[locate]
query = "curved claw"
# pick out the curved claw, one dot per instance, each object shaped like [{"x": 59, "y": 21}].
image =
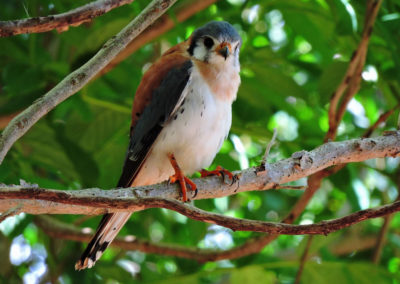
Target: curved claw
[{"x": 195, "y": 193}]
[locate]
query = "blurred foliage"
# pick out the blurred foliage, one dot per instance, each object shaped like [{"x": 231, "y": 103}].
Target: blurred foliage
[{"x": 293, "y": 56}]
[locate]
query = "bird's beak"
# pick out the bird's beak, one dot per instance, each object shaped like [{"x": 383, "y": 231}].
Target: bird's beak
[{"x": 224, "y": 50}]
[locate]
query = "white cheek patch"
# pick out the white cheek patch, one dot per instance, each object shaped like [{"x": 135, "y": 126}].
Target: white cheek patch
[{"x": 200, "y": 52}]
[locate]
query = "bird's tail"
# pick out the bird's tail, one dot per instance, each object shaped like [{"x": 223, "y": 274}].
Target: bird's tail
[{"x": 108, "y": 229}]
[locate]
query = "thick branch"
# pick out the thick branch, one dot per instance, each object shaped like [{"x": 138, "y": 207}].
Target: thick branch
[
  {"x": 96, "y": 201},
  {"x": 77, "y": 79},
  {"x": 61, "y": 22}
]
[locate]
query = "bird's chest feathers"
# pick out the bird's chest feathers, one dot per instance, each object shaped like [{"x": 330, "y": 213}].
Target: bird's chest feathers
[
  {"x": 223, "y": 80},
  {"x": 198, "y": 127}
]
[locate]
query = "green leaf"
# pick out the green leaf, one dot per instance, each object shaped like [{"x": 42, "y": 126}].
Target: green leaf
[
  {"x": 330, "y": 79},
  {"x": 361, "y": 273}
]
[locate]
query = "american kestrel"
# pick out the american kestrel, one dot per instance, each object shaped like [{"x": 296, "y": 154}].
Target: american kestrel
[{"x": 182, "y": 113}]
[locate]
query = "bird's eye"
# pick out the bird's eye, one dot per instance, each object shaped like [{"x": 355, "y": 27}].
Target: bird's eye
[{"x": 208, "y": 42}]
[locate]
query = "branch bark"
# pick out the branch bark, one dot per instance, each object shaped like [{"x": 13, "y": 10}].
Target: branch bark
[
  {"x": 60, "y": 22},
  {"x": 80, "y": 77},
  {"x": 236, "y": 224},
  {"x": 95, "y": 201}
]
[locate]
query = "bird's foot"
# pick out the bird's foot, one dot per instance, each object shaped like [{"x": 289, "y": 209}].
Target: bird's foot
[
  {"x": 219, "y": 171},
  {"x": 180, "y": 177}
]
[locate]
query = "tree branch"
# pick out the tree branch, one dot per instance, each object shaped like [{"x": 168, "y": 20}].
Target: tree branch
[
  {"x": 236, "y": 224},
  {"x": 96, "y": 201},
  {"x": 61, "y": 22},
  {"x": 303, "y": 260},
  {"x": 77, "y": 79},
  {"x": 352, "y": 78}
]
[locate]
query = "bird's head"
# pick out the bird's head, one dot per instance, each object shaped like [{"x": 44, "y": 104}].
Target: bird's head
[{"x": 216, "y": 43}]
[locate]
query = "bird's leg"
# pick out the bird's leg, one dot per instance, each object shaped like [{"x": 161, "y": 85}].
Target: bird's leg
[
  {"x": 179, "y": 176},
  {"x": 219, "y": 171}
]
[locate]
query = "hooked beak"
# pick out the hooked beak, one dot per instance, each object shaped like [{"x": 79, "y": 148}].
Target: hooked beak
[{"x": 224, "y": 50}]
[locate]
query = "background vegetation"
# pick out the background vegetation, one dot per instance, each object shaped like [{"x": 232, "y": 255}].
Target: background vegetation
[{"x": 294, "y": 55}]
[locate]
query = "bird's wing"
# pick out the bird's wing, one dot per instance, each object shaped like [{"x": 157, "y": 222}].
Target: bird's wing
[
  {"x": 163, "y": 100},
  {"x": 157, "y": 97}
]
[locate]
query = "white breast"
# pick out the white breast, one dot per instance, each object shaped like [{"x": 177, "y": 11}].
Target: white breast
[{"x": 194, "y": 135}]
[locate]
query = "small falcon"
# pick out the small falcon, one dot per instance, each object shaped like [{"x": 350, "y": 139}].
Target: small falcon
[{"x": 181, "y": 114}]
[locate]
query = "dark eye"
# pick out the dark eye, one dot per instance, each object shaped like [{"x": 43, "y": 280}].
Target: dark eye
[{"x": 208, "y": 42}]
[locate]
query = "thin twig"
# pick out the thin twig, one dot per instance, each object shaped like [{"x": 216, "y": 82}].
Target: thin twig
[
  {"x": 79, "y": 78},
  {"x": 61, "y": 22},
  {"x": 267, "y": 150},
  {"x": 382, "y": 118},
  {"x": 303, "y": 260},
  {"x": 376, "y": 257},
  {"x": 380, "y": 241}
]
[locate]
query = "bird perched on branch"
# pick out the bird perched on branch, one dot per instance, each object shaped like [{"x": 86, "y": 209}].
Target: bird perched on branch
[{"x": 181, "y": 115}]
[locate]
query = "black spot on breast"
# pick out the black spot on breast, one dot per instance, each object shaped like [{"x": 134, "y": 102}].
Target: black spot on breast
[
  {"x": 138, "y": 114},
  {"x": 175, "y": 116},
  {"x": 182, "y": 110},
  {"x": 201, "y": 114}
]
